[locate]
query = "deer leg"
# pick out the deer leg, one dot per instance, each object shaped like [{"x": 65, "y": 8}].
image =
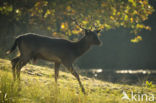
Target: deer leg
[
  {"x": 57, "y": 65},
  {"x": 14, "y": 63},
  {"x": 18, "y": 69},
  {"x": 20, "y": 64},
  {"x": 74, "y": 73}
]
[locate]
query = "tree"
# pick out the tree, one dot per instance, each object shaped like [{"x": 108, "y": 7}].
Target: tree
[{"x": 54, "y": 16}]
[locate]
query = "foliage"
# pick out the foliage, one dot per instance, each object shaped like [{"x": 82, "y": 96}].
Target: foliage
[
  {"x": 149, "y": 84},
  {"x": 54, "y": 16}
]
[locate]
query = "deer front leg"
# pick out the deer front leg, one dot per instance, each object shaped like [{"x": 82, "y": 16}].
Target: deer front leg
[
  {"x": 57, "y": 65},
  {"x": 74, "y": 73}
]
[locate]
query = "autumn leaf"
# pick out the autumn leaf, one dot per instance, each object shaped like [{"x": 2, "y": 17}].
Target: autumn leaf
[{"x": 136, "y": 39}]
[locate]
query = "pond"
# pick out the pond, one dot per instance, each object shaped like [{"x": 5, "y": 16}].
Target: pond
[{"x": 124, "y": 76}]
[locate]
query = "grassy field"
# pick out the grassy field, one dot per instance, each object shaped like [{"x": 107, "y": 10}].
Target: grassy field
[{"x": 37, "y": 86}]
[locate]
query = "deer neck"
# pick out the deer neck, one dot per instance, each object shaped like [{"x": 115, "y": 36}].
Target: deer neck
[{"x": 82, "y": 46}]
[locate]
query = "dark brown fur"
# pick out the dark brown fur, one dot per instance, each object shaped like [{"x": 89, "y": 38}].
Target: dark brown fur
[{"x": 59, "y": 51}]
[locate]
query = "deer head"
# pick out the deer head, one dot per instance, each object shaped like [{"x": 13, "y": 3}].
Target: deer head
[{"x": 90, "y": 35}]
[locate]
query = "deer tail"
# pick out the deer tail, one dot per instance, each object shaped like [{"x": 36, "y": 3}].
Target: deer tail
[{"x": 13, "y": 47}]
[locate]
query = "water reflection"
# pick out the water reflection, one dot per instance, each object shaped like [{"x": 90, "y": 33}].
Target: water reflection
[
  {"x": 122, "y": 76},
  {"x": 135, "y": 71}
]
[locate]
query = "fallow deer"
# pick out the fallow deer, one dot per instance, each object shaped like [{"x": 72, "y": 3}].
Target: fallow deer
[{"x": 59, "y": 51}]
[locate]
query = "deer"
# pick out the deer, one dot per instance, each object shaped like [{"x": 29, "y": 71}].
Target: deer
[{"x": 60, "y": 51}]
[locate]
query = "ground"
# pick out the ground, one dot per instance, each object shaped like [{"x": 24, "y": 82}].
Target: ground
[{"x": 37, "y": 86}]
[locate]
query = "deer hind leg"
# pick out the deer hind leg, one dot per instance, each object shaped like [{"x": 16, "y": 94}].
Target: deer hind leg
[
  {"x": 14, "y": 63},
  {"x": 57, "y": 65},
  {"x": 76, "y": 75},
  {"x": 22, "y": 62}
]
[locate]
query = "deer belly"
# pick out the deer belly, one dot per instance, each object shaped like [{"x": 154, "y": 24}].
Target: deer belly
[{"x": 50, "y": 57}]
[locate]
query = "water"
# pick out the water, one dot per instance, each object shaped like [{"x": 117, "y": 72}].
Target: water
[{"x": 137, "y": 77}]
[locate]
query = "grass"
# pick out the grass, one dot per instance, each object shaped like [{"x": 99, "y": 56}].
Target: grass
[{"x": 37, "y": 86}]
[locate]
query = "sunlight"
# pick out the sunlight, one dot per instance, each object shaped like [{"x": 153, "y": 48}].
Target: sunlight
[{"x": 135, "y": 71}]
